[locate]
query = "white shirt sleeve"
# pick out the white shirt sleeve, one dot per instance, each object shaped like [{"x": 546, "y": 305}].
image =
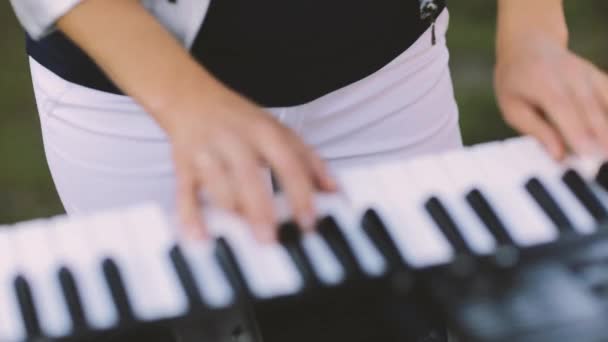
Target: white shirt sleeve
[{"x": 38, "y": 17}]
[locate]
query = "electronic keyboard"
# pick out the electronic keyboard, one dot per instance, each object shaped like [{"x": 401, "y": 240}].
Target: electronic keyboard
[{"x": 482, "y": 234}]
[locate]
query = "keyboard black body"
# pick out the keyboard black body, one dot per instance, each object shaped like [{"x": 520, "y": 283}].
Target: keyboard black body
[
  {"x": 553, "y": 292},
  {"x": 366, "y": 310}
]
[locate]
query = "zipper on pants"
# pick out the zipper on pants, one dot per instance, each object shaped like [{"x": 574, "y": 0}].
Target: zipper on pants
[{"x": 429, "y": 11}]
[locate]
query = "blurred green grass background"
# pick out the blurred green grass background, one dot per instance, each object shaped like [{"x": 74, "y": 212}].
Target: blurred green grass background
[{"x": 26, "y": 189}]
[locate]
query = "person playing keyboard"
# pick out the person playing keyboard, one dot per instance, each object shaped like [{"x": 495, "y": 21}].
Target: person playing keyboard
[{"x": 143, "y": 100}]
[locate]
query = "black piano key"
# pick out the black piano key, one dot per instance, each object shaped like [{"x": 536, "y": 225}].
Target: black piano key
[
  {"x": 446, "y": 224},
  {"x": 329, "y": 230},
  {"x": 230, "y": 266},
  {"x": 550, "y": 207},
  {"x": 585, "y": 195},
  {"x": 602, "y": 176},
  {"x": 506, "y": 254},
  {"x": 116, "y": 285},
  {"x": 72, "y": 298},
  {"x": 488, "y": 216},
  {"x": 291, "y": 239},
  {"x": 184, "y": 273},
  {"x": 27, "y": 307},
  {"x": 380, "y": 237}
]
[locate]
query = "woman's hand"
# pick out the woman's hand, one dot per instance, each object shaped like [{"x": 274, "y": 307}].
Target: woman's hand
[
  {"x": 221, "y": 146},
  {"x": 220, "y": 140},
  {"x": 544, "y": 89}
]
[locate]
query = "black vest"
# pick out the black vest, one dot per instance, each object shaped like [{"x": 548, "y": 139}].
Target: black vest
[{"x": 278, "y": 53}]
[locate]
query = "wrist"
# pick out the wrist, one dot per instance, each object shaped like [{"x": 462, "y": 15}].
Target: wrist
[
  {"x": 523, "y": 22},
  {"x": 194, "y": 93}
]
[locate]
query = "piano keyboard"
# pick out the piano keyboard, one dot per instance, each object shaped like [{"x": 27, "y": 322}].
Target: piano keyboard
[{"x": 63, "y": 276}]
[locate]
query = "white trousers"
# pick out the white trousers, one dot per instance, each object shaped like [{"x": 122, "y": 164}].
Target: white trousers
[{"x": 105, "y": 151}]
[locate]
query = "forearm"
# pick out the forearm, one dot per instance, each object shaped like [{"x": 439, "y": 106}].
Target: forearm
[
  {"x": 519, "y": 19},
  {"x": 140, "y": 56}
]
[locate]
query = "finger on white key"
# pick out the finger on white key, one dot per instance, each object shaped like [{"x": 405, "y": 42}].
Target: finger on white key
[
  {"x": 11, "y": 325},
  {"x": 349, "y": 222},
  {"x": 148, "y": 230},
  {"x": 429, "y": 175},
  {"x": 267, "y": 268},
  {"x": 83, "y": 259},
  {"x": 39, "y": 266},
  {"x": 526, "y": 226},
  {"x": 420, "y": 241},
  {"x": 530, "y": 153},
  {"x": 208, "y": 275}
]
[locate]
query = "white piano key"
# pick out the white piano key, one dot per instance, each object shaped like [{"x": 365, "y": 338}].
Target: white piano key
[
  {"x": 242, "y": 244},
  {"x": 40, "y": 266},
  {"x": 267, "y": 267},
  {"x": 326, "y": 265},
  {"x": 464, "y": 170},
  {"x": 419, "y": 242},
  {"x": 363, "y": 194},
  {"x": 428, "y": 174},
  {"x": 11, "y": 324},
  {"x": 360, "y": 190},
  {"x": 529, "y": 153},
  {"x": 531, "y": 225},
  {"x": 108, "y": 233},
  {"x": 359, "y": 195},
  {"x": 149, "y": 232},
  {"x": 601, "y": 194},
  {"x": 83, "y": 260},
  {"x": 463, "y": 175},
  {"x": 210, "y": 279},
  {"x": 587, "y": 166},
  {"x": 349, "y": 222}
]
